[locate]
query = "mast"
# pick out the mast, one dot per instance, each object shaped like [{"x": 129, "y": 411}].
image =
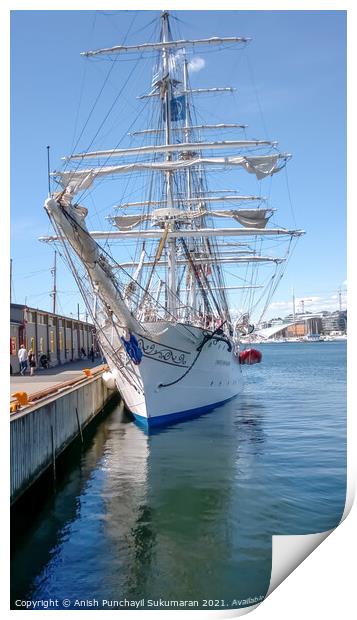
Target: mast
[
  {"x": 187, "y": 122},
  {"x": 54, "y": 287},
  {"x": 10, "y": 280},
  {"x": 192, "y": 293},
  {"x": 171, "y": 252},
  {"x": 48, "y": 171}
]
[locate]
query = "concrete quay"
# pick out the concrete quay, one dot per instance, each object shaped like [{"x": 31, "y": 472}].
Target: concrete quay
[
  {"x": 46, "y": 378},
  {"x": 65, "y": 402}
]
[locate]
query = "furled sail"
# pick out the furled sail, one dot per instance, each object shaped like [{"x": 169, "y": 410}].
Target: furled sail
[
  {"x": 199, "y": 200},
  {"x": 251, "y": 218},
  {"x": 195, "y": 91},
  {"x": 265, "y": 165},
  {"x": 190, "y": 128},
  {"x": 183, "y": 43},
  {"x": 127, "y": 222},
  {"x": 173, "y": 148},
  {"x": 175, "y": 234},
  {"x": 255, "y": 218}
]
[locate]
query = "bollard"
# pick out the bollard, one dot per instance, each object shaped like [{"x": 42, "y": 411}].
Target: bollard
[
  {"x": 14, "y": 407},
  {"x": 21, "y": 397}
]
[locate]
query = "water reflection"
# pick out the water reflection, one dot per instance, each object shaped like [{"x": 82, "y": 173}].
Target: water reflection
[{"x": 159, "y": 515}]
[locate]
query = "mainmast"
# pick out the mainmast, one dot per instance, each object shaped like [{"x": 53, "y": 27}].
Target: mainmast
[
  {"x": 192, "y": 292},
  {"x": 171, "y": 251}
]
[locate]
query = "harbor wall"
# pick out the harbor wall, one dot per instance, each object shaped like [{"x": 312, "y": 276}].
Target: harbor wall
[{"x": 41, "y": 432}]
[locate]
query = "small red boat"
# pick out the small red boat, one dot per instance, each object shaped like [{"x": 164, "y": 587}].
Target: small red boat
[{"x": 250, "y": 356}]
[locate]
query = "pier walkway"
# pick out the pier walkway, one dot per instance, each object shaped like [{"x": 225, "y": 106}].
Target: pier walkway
[{"x": 47, "y": 378}]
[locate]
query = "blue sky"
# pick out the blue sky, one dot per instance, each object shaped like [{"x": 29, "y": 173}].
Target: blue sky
[{"x": 291, "y": 83}]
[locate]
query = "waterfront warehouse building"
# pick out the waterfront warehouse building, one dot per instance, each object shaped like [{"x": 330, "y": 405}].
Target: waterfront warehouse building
[{"x": 58, "y": 337}]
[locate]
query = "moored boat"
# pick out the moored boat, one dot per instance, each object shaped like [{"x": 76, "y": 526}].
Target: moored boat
[{"x": 163, "y": 317}]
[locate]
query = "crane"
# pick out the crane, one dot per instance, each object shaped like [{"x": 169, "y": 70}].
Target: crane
[{"x": 302, "y": 304}]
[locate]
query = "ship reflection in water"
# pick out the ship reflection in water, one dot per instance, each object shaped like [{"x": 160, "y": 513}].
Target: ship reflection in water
[
  {"x": 152, "y": 516},
  {"x": 187, "y": 512}
]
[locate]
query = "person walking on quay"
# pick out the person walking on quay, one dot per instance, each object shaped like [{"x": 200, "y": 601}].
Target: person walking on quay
[
  {"x": 32, "y": 362},
  {"x": 22, "y": 355},
  {"x": 91, "y": 354}
]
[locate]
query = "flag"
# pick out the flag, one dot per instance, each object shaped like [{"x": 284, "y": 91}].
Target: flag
[{"x": 178, "y": 108}]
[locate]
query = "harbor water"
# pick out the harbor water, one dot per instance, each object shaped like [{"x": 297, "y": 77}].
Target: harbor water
[{"x": 188, "y": 513}]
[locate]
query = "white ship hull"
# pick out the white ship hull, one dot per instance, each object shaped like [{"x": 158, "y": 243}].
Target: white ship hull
[{"x": 184, "y": 371}]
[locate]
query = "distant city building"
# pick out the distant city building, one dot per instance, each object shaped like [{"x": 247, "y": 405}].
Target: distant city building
[
  {"x": 277, "y": 321},
  {"x": 296, "y": 331},
  {"x": 58, "y": 337},
  {"x": 335, "y": 322},
  {"x": 305, "y": 324},
  {"x": 289, "y": 318},
  {"x": 263, "y": 325}
]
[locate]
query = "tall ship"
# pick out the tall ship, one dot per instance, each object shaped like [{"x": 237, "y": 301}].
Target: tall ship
[{"x": 157, "y": 280}]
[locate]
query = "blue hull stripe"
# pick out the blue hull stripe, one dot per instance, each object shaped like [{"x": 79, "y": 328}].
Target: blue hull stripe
[{"x": 177, "y": 416}]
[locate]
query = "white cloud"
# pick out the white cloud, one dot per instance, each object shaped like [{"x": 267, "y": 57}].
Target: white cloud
[
  {"x": 196, "y": 64},
  {"x": 311, "y": 304},
  {"x": 280, "y": 304}
]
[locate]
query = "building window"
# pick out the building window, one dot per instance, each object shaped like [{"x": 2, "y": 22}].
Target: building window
[
  {"x": 13, "y": 345},
  {"x": 31, "y": 317},
  {"x": 41, "y": 344},
  {"x": 60, "y": 341},
  {"x": 33, "y": 347},
  {"x": 52, "y": 341}
]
